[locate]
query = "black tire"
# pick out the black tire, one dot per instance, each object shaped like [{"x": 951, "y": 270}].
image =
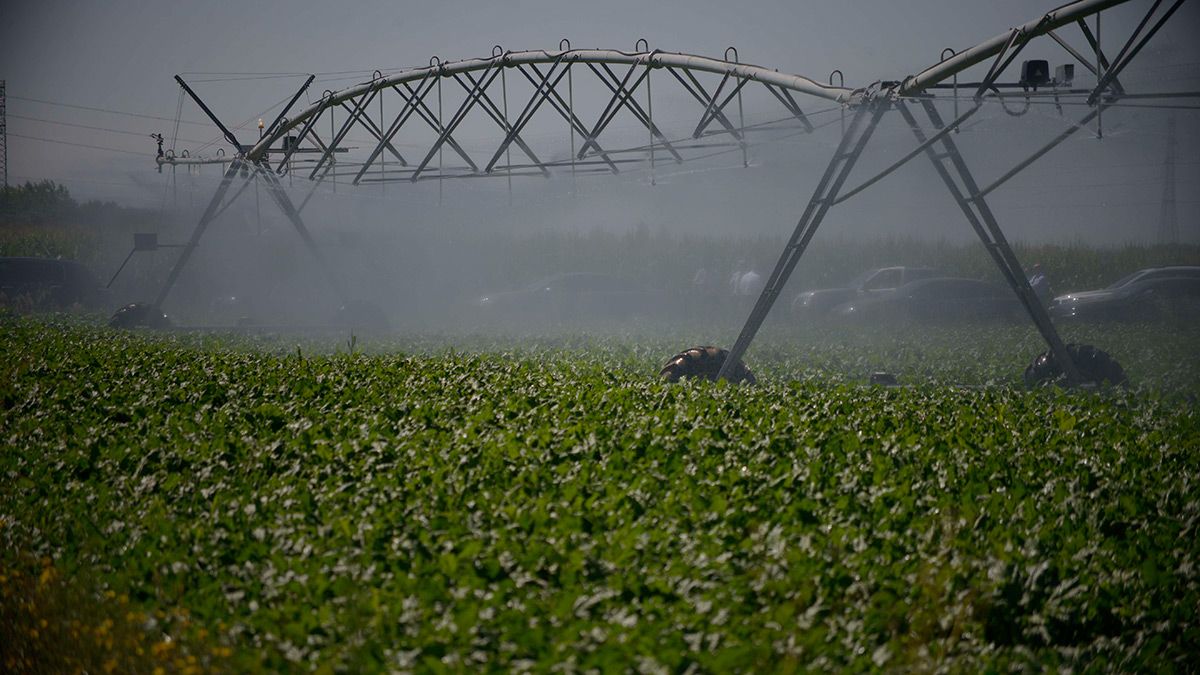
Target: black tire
[
  {"x": 704, "y": 362},
  {"x": 139, "y": 314},
  {"x": 1096, "y": 366}
]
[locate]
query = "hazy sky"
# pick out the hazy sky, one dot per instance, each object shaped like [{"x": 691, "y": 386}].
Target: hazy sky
[{"x": 122, "y": 54}]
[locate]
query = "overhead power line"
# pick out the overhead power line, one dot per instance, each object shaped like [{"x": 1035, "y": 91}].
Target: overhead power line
[
  {"x": 81, "y": 145},
  {"x": 107, "y": 110},
  {"x": 88, "y": 126}
]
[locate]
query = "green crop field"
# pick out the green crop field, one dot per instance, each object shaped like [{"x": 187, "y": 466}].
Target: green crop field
[{"x": 436, "y": 504}]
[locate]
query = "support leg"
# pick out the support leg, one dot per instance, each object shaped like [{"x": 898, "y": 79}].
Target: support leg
[
  {"x": 851, "y": 146},
  {"x": 975, "y": 207},
  {"x": 210, "y": 213},
  {"x": 275, "y": 189}
]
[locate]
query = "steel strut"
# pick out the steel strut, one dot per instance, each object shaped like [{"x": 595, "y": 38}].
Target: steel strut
[
  {"x": 485, "y": 79},
  {"x": 211, "y": 115},
  {"x": 862, "y": 125},
  {"x": 214, "y": 207},
  {"x": 432, "y": 119},
  {"x": 613, "y": 106},
  {"x": 630, "y": 103},
  {"x": 711, "y": 114},
  {"x": 374, "y": 129},
  {"x": 566, "y": 109},
  {"x": 975, "y": 207},
  {"x": 703, "y": 98},
  {"x": 275, "y": 189},
  {"x": 410, "y": 106},
  {"x": 305, "y": 132},
  {"x": 360, "y": 108},
  {"x": 541, "y": 95},
  {"x": 501, "y": 119}
]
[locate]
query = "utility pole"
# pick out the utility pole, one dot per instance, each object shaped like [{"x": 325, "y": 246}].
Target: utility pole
[
  {"x": 3, "y": 139},
  {"x": 1168, "y": 224}
]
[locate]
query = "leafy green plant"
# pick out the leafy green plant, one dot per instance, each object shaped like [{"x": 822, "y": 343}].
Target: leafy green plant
[{"x": 405, "y": 506}]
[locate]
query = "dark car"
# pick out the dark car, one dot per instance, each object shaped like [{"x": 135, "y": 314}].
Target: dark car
[
  {"x": 871, "y": 282},
  {"x": 575, "y": 296},
  {"x": 1152, "y": 294},
  {"x": 936, "y": 299},
  {"x": 50, "y": 283}
]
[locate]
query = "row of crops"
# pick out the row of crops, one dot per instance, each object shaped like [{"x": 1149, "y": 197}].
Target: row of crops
[{"x": 272, "y": 503}]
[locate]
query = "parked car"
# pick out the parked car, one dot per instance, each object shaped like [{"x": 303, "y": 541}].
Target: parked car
[
  {"x": 50, "y": 284},
  {"x": 573, "y": 296},
  {"x": 822, "y": 301},
  {"x": 1151, "y": 294},
  {"x": 936, "y": 299}
]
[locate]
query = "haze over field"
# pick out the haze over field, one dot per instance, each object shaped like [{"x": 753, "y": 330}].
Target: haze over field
[
  {"x": 87, "y": 85},
  {"x": 122, "y": 55},
  {"x": 469, "y": 417}
]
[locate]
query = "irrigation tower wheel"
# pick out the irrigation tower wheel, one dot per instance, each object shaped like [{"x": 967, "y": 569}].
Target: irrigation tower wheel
[
  {"x": 139, "y": 314},
  {"x": 1095, "y": 365},
  {"x": 704, "y": 362}
]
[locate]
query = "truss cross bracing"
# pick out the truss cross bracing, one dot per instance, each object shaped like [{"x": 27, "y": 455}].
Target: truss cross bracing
[{"x": 628, "y": 84}]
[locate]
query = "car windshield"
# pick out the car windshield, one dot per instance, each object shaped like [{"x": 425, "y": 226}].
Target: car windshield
[
  {"x": 1127, "y": 279},
  {"x": 860, "y": 280},
  {"x": 885, "y": 279}
]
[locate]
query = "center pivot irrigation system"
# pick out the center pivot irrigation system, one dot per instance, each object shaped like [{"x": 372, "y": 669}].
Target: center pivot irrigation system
[{"x": 308, "y": 143}]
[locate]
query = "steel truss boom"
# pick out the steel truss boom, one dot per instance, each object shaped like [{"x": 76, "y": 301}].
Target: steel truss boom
[
  {"x": 548, "y": 72},
  {"x": 652, "y": 59}
]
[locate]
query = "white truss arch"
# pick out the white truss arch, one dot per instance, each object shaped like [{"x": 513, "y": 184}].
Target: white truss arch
[{"x": 653, "y": 59}]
